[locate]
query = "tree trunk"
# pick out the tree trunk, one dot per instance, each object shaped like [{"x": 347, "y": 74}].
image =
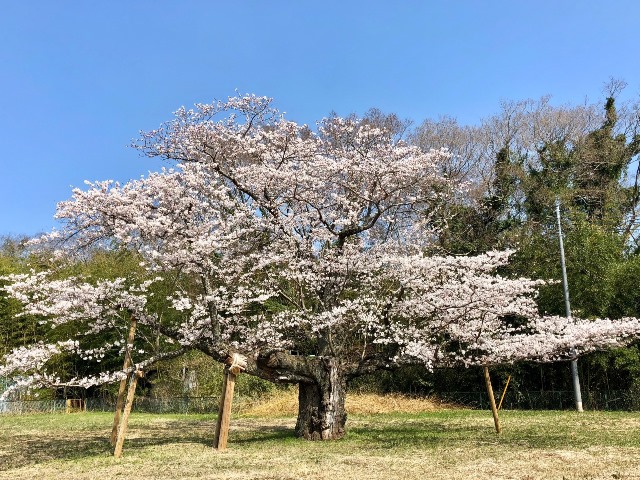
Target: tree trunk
[{"x": 321, "y": 412}]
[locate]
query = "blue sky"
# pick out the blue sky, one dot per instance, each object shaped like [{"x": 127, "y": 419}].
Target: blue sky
[{"x": 80, "y": 79}]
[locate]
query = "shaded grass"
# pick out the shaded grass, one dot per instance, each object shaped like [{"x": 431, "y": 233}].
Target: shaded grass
[{"x": 452, "y": 444}]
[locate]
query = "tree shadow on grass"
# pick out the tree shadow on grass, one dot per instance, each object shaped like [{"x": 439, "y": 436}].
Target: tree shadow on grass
[
  {"x": 262, "y": 433},
  {"x": 411, "y": 435},
  {"x": 23, "y": 450},
  {"x": 419, "y": 435},
  {"x": 20, "y": 450}
]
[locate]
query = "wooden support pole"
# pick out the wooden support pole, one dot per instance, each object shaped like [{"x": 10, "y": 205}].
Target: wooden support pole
[
  {"x": 122, "y": 431},
  {"x": 504, "y": 392},
  {"x": 492, "y": 400},
  {"x": 123, "y": 382},
  {"x": 236, "y": 364},
  {"x": 216, "y": 438},
  {"x": 224, "y": 415}
]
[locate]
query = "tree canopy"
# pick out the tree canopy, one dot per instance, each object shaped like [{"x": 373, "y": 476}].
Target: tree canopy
[{"x": 308, "y": 251}]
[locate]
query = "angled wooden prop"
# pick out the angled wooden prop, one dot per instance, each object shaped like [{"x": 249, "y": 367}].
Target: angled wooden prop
[
  {"x": 504, "y": 392},
  {"x": 122, "y": 431},
  {"x": 492, "y": 400},
  {"x": 123, "y": 383}
]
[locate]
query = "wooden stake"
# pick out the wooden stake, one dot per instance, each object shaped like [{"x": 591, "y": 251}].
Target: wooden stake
[
  {"x": 492, "y": 400},
  {"x": 122, "y": 431},
  {"x": 123, "y": 383},
  {"x": 224, "y": 414}
]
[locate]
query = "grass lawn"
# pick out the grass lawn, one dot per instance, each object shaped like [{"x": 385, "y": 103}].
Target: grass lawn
[{"x": 444, "y": 444}]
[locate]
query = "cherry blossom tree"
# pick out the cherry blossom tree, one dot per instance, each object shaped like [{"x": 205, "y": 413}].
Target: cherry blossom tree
[{"x": 302, "y": 250}]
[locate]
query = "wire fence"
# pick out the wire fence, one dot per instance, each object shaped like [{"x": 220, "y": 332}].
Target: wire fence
[
  {"x": 547, "y": 400},
  {"x": 32, "y": 406},
  {"x": 183, "y": 405},
  {"x": 532, "y": 400}
]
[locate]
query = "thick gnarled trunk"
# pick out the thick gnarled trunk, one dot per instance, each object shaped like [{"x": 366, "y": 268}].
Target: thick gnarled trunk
[
  {"x": 322, "y": 389},
  {"x": 321, "y": 410}
]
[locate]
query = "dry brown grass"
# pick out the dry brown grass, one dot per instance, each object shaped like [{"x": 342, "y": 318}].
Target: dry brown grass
[
  {"x": 371, "y": 404},
  {"x": 285, "y": 403}
]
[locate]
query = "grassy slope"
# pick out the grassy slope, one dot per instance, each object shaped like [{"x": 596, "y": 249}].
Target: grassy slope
[{"x": 445, "y": 444}]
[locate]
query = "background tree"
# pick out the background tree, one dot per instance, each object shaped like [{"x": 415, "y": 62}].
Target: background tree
[
  {"x": 532, "y": 153},
  {"x": 15, "y": 331}
]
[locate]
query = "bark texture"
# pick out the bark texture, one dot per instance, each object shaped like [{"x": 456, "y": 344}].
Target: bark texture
[{"x": 321, "y": 407}]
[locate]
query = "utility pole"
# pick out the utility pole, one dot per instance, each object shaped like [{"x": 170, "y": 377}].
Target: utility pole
[{"x": 565, "y": 284}]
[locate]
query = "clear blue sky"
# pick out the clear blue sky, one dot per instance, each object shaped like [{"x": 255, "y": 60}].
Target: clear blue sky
[{"x": 79, "y": 79}]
